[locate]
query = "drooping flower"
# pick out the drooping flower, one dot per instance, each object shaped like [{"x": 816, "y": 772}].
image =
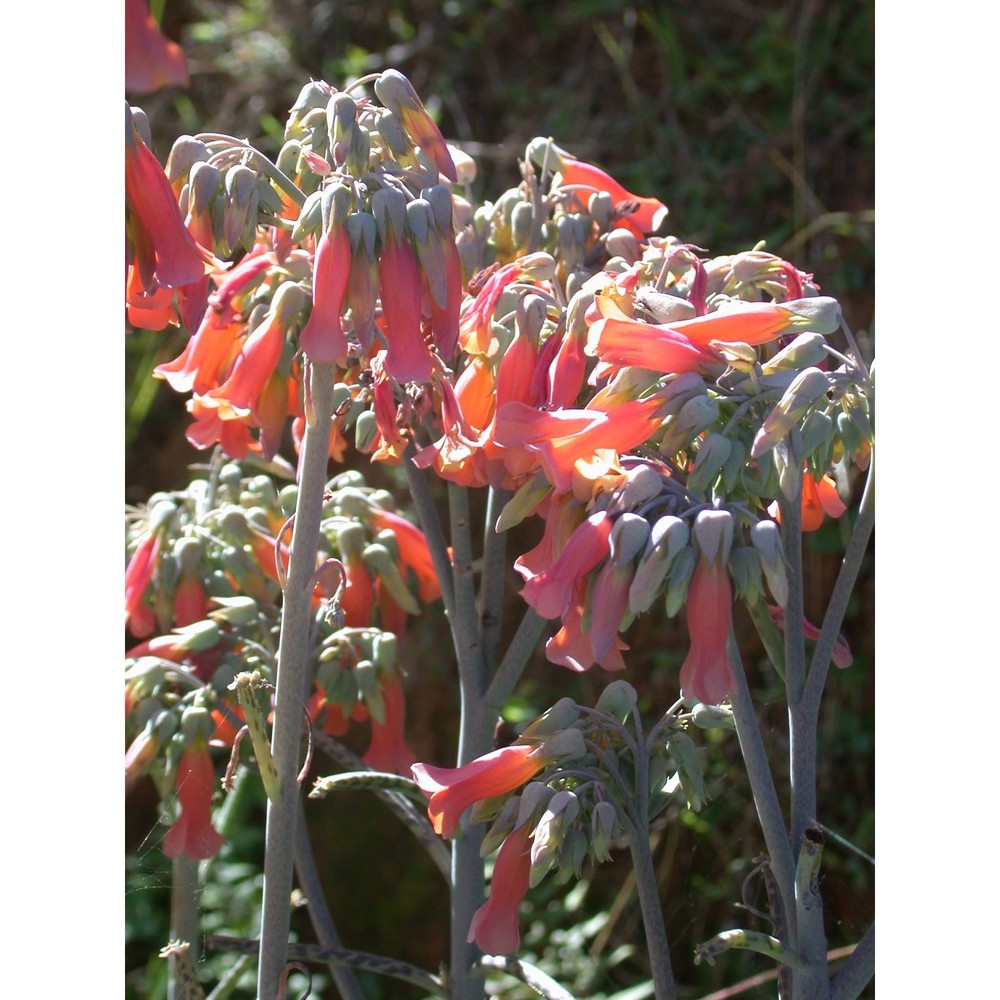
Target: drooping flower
[
  {"x": 841, "y": 657},
  {"x": 388, "y": 750},
  {"x": 139, "y": 618},
  {"x": 414, "y": 552},
  {"x": 706, "y": 672},
  {"x": 494, "y": 926},
  {"x": 452, "y": 790},
  {"x": 192, "y": 834},
  {"x": 167, "y": 253},
  {"x": 152, "y": 60}
]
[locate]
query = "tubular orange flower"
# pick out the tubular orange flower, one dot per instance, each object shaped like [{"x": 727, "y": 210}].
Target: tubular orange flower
[
  {"x": 323, "y": 338},
  {"x": 139, "y": 618},
  {"x": 452, "y": 790},
  {"x": 177, "y": 259},
  {"x": 388, "y": 750},
  {"x": 573, "y": 648},
  {"x": 819, "y": 498},
  {"x": 551, "y": 591},
  {"x": 152, "y": 61},
  {"x": 494, "y": 925},
  {"x": 193, "y": 834},
  {"x": 413, "y": 552},
  {"x": 706, "y": 672},
  {"x": 640, "y": 215},
  {"x": 408, "y": 358}
]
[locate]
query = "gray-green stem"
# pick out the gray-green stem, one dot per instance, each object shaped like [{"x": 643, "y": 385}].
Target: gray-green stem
[
  {"x": 647, "y": 886},
  {"x": 185, "y": 923},
  {"x": 765, "y": 796},
  {"x": 292, "y": 680},
  {"x": 856, "y": 973}
]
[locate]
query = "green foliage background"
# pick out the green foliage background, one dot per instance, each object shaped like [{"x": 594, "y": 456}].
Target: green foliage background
[{"x": 751, "y": 121}]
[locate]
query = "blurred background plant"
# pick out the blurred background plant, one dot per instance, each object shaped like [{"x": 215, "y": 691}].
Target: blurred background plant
[{"x": 752, "y": 121}]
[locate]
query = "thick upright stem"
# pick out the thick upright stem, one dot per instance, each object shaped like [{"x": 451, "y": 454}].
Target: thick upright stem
[
  {"x": 647, "y": 887},
  {"x": 184, "y": 918},
  {"x": 468, "y": 887},
  {"x": 491, "y": 586},
  {"x": 857, "y": 971},
  {"x": 292, "y": 682},
  {"x": 765, "y": 796}
]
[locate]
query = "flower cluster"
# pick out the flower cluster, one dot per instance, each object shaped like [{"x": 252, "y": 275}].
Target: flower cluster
[
  {"x": 203, "y": 594},
  {"x": 562, "y": 794},
  {"x": 651, "y": 404}
]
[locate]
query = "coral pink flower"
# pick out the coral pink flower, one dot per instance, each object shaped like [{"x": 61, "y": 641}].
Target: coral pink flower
[
  {"x": 152, "y": 61},
  {"x": 706, "y": 673},
  {"x": 323, "y": 338},
  {"x": 192, "y": 834},
  {"x": 622, "y": 342},
  {"x": 162, "y": 240},
  {"x": 494, "y": 925},
  {"x": 408, "y": 358},
  {"x": 141, "y": 753},
  {"x": 388, "y": 750},
  {"x": 453, "y": 789},
  {"x": 640, "y": 215},
  {"x": 551, "y": 591},
  {"x": 842, "y": 656},
  {"x": 414, "y": 553},
  {"x": 138, "y": 617},
  {"x": 215, "y": 422},
  {"x": 573, "y": 648}
]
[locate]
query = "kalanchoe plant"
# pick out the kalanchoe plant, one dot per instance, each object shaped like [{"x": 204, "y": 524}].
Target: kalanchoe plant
[{"x": 674, "y": 421}]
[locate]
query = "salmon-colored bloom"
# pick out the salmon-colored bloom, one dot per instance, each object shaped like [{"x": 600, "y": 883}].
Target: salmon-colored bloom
[
  {"x": 551, "y": 592},
  {"x": 388, "y": 750},
  {"x": 452, "y": 790},
  {"x": 640, "y": 215},
  {"x": 414, "y": 552},
  {"x": 141, "y": 753},
  {"x": 190, "y": 600},
  {"x": 842, "y": 656},
  {"x": 192, "y": 834},
  {"x": 322, "y": 338},
  {"x": 169, "y": 251},
  {"x": 408, "y": 358},
  {"x": 706, "y": 673},
  {"x": 216, "y": 422},
  {"x": 494, "y": 925},
  {"x": 573, "y": 648},
  {"x": 139, "y": 618},
  {"x": 152, "y": 60}
]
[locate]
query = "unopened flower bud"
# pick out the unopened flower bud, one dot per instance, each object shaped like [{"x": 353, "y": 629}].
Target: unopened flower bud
[
  {"x": 566, "y": 744},
  {"x": 563, "y": 714},
  {"x": 696, "y": 415},
  {"x": 628, "y": 538},
  {"x": 535, "y": 796},
  {"x": 196, "y": 721},
  {"x": 713, "y": 717},
  {"x": 547, "y": 837},
  {"x": 238, "y": 610},
  {"x": 240, "y": 212},
  {"x": 713, "y": 454},
  {"x": 622, "y": 243},
  {"x": 603, "y": 819},
  {"x": 817, "y": 435},
  {"x": 366, "y": 676},
  {"x": 501, "y": 826},
  {"x": 184, "y": 154},
  {"x": 744, "y": 567},
  {"x": 642, "y": 483},
  {"x": 678, "y": 579},
  {"x": 618, "y": 699},
  {"x": 570, "y": 246},
  {"x": 668, "y": 536},
  {"x": 601, "y": 207},
  {"x": 531, "y": 313},
  {"x": 766, "y": 539},
  {"x": 198, "y": 636},
  {"x": 817, "y": 314},
  {"x": 378, "y": 559},
  {"x": 664, "y": 307},
  {"x": 389, "y": 209},
  {"x": 806, "y": 388},
  {"x": 806, "y": 351},
  {"x": 385, "y": 651},
  {"x": 312, "y": 96}
]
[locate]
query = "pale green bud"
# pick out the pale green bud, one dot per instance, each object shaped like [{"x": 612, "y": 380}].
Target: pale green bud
[
  {"x": 601, "y": 207},
  {"x": 678, "y": 579},
  {"x": 712, "y": 456},
  {"x": 566, "y": 744},
  {"x": 806, "y": 388},
  {"x": 603, "y": 819},
  {"x": 817, "y": 432},
  {"x": 563, "y": 714},
  {"x": 379, "y": 560},
  {"x": 197, "y": 722},
  {"x": 310, "y": 217},
  {"x": 521, "y": 221},
  {"x": 389, "y": 209},
  {"x": 628, "y": 538},
  {"x": 240, "y": 212},
  {"x": 618, "y": 699},
  {"x": 806, "y": 351},
  {"x": 734, "y": 465},
  {"x": 642, "y": 483},
  {"x": 663, "y": 307},
  {"x": 547, "y": 836},
  {"x": 818, "y": 314},
  {"x": 501, "y": 826},
  {"x": 184, "y": 154},
  {"x": 696, "y": 415},
  {"x": 385, "y": 651},
  {"x": 530, "y": 314},
  {"x": 766, "y": 539},
  {"x": 668, "y": 537},
  {"x": 535, "y": 797},
  {"x": 713, "y": 717},
  {"x": 366, "y": 675},
  {"x": 238, "y": 610},
  {"x": 744, "y": 566}
]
